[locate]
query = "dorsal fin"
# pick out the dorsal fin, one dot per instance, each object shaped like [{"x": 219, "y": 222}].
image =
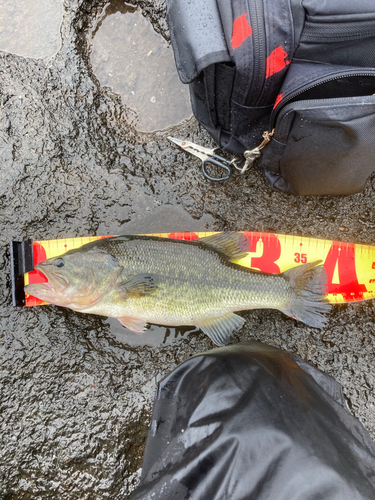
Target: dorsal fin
[{"x": 233, "y": 245}]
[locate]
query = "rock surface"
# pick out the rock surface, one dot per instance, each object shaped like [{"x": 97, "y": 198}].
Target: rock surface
[{"x": 75, "y": 400}]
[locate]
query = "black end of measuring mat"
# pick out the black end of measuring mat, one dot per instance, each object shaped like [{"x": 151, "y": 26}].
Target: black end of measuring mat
[{"x": 21, "y": 262}]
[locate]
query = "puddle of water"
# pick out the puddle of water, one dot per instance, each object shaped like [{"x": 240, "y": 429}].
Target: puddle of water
[
  {"x": 134, "y": 61},
  {"x": 148, "y": 217},
  {"x": 154, "y": 335},
  {"x": 31, "y": 28}
]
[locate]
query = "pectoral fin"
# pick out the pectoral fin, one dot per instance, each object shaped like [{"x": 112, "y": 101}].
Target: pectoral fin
[
  {"x": 138, "y": 286},
  {"x": 133, "y": 324},
  {"x": 221, "y": 328}
]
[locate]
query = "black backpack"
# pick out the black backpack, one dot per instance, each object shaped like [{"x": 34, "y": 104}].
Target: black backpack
[{"x": 290, "y": 83}]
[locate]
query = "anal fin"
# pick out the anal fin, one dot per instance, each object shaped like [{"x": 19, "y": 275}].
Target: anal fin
[{"x": 220, "y": 329}]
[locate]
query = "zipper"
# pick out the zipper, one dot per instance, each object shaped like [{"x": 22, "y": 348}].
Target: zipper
[
  {"x": 303, "y": 89},
  {"x": 253, "y": 154},
  {"x": 256, "y": 14}
]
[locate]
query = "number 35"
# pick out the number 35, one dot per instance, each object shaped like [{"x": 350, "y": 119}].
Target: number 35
[{"x": 300, "y": 257}]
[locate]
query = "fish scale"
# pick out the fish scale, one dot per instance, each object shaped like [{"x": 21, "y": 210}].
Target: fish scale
[
  {"x": 143, "y": 279},
  {"x": 188, "y": 270}
]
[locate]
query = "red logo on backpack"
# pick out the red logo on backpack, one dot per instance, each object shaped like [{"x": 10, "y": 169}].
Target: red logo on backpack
[
  {"x": 241, "y": 30},
  {"x": 276, "y": 61}
]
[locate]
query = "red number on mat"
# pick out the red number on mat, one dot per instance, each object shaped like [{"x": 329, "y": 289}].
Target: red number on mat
[
  {"x": 300, "y": 257},
  {"x": 343, "y": 255},
  {"x": 271, "y": 252}
]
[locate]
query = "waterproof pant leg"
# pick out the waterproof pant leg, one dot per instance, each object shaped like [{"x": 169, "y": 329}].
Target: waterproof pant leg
[{"x": 249, "y": 421}]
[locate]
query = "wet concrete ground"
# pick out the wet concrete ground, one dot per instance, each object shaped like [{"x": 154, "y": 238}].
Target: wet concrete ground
[{"x": 75, "y": 394}]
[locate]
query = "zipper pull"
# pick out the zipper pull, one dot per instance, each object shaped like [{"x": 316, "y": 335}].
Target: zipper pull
[{"x": 253, "y": 154}]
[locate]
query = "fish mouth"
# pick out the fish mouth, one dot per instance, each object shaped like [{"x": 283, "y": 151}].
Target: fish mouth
[
  {"x": 38, "y": 289},
  {"x": 55, "y": 284}
]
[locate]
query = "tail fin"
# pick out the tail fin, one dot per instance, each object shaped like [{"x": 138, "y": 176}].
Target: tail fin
[{"x": 309, "y": 303}]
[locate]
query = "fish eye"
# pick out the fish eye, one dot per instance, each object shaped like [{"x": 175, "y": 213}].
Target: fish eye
[{"x": 59, "y": 263}]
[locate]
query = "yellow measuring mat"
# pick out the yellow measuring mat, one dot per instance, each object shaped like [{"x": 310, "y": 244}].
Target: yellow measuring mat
[{"x": 350, "y": 267}]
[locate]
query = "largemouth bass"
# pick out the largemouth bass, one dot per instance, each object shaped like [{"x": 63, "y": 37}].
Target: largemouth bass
[{"x": 143, "y": 279}]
